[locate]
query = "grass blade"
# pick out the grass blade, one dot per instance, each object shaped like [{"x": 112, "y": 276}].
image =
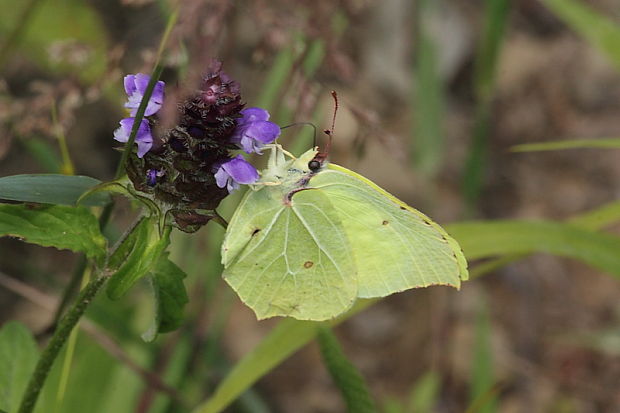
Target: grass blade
[
  {"x": 600, "y": 31},
  {"x": 571, "y": 144},
  {"x": 425, "y": 393},
  {"x": 285, "y": 339},
  {"x": 481, "y": 239},
  {"x": 428, "y": 134},
  {"x": 346, "y": 377},
  {"x": 278, "y": 74},
  {"x": 484, "y": 83},
  {"x": 290, "y": 335},
  {"x": 482, "y": 368}
]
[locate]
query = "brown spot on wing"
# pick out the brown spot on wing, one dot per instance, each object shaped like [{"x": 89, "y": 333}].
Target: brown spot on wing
[
  {"x": 385, "y": 222},
  {"x": 308, "y": 264}
]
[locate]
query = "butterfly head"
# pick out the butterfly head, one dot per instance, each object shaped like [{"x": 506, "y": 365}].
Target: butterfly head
[
  {"x": 306, "y": 163},
  {"x": 284, "y": 168}
]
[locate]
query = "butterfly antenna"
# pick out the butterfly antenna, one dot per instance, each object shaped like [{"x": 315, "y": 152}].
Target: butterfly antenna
[
  {"x": 304, "y": 124},
  {"x": 330, "y": 132}
]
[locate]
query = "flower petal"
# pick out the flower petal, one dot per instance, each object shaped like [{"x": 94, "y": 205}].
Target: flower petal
[
  {"x": 122, "y": 134},
  {"x": 249, "y": 145},
  {"x": 142, "y": 81},
  {"x": 240, "y": 170},
  {"x": 252, "y": 115},
  {"x": 130, "y": 84},
  {"x": 135, "y": 86},
  {"x": 263, "y": 131},
  {"x": 221, "y": 177},
  {"x": 144, "y": 139}
]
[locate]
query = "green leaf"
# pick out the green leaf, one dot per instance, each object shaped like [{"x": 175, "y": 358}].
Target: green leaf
[
  {"x": 482, "y": 375},
  {"x": 18, "y": 356},
  {"x": 280, "y": 70},
  {"x": 62, "y": 227},
  {"x": 136, "y": 256},
  {"x": 51, "y": 189},
  {"x": 345, "y": 375},
  {"x": 170, "y": 297},
  {"x": 481, "y": 239},
  {"x": 285, "y": 338},
  {"x": 485, "y": 73},
  {"x": 571, "y": 144},
  {"x": 602, "y": 32},
  {"x": 592, "y": 220},
  {"x": 43, "y": 152},
  {"x": 290, "y": 335},
  {"x": 428, "y": 108},
  {"x": 425, "y": 393}
]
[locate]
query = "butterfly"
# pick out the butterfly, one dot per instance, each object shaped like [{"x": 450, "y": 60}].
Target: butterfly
[{"x": 311, "y": 237}]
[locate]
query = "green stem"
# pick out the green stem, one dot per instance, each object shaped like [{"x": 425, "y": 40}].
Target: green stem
[
  {"x": 67, "y": 167},
  {"x": 219, "y": 220},
  {"x": 51, "y": 350},
  {"x": 70, "y": 290},
  {"x": 68, "y": 322}
]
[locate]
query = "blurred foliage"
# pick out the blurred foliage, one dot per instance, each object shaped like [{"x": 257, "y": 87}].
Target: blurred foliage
[
  {"x": 299, "y": 52},
  {"x": 64, "y": 36}
]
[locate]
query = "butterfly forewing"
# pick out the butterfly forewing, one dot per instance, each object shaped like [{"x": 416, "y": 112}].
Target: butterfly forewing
[
  {"x": 290, "y": 258},
  {"x": 395, "y": 247}
]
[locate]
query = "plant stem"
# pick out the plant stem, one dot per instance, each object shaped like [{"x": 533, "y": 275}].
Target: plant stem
[
  {"x": 70, "y": 290},
  {"x": 68, "y": 322},
  {"x": 51, "y": 350}
]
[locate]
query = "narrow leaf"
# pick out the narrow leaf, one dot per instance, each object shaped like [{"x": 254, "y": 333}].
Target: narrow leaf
[
  {"x": 170, "y": 297},
  {"x": 428, "y": 108},
  {"x": 571, "y": 144},
  {"x": 62, "y": 227},
  {"x": 592, "y": 220},
  {"x": 285, "y": 339},
  {"x": 486, "y": 239},
  {"x": 280, "y": 70},
  {"x": 51, "y": 189},
  {"x": 482, "y": 375},
  {"x": 425, "y": 393},
  {"x": 290, "y": 335},
  {"x": 598, "y": 29},
  {"x": 345, "y": 375},
  {"x": 43, "y": 152},
  {"x": 18, "y": 356},
  {"x": 485, "y": 72}
]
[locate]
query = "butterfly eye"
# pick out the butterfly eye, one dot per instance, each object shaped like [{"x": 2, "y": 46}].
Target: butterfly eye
[{"x": 314, "y": 165}]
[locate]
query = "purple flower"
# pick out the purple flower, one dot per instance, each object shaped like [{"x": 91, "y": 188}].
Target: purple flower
[
  {"x": 144, "y": 139},
  {"x": 254, "y": 130},
  {"x": 135, "y": 86},
  {"x": 234, "y": 172},
  {"x": 152, "y": 175}
]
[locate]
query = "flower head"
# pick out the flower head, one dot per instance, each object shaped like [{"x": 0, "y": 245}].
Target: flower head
[
  {"x": 135, "y": 86},
  {"x": 234, "y": 172},
  {"x": 254, "y": 130},
  {"x": 144, "y": 139}
]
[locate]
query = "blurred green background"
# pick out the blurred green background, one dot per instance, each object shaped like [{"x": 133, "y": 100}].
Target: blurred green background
[{"x": 433, "y": 96}]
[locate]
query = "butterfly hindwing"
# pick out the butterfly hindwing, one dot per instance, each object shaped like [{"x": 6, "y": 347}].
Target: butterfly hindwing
[
  {"x": 395, "y": 246},
  {"x": 289, "y": 258}
]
